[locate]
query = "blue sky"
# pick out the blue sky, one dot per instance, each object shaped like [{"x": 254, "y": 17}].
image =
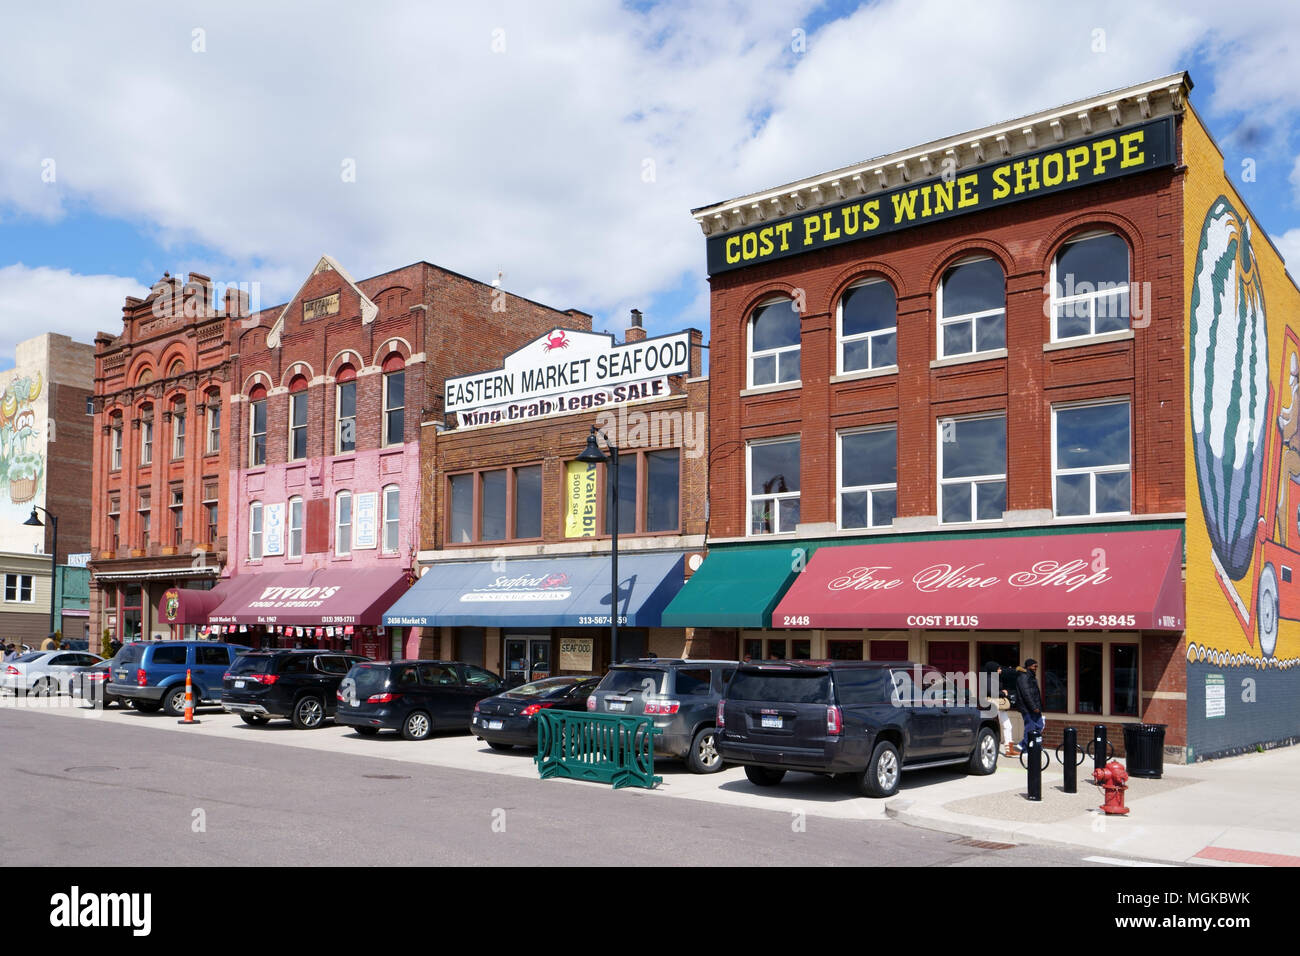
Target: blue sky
[{"x": 561, "y": 145}]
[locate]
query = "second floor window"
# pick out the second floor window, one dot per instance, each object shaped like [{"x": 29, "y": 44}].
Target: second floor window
[
  {"x": 343, "y": 523},
  {"x": 392, "y": 516},
  {"x": 298, "y": 419},
  {"x": 869, "y": 478},
  {"x": 346, "y": 408},
  {"x": 972, "y": 468},
  {"x": 1090, "y": 287},
  {"x": 255, "y": 531},
  {"x": 774, "y": 344},
  {"x": 972, "y": 308},
  {"x": 1091, "y": 461},
  {"x": 495, "y": 505},
  {"x": 257, "y": 427},
  {"x": 773, "y": 486},
  {"x": 295, "y": 527},
  {"x": 394, "y": 401},
  {"x": 868, "y": 317}
]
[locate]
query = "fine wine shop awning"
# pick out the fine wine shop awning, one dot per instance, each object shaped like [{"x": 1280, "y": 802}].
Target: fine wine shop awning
[
  {"x": 734, "y": 587},
  {"x": 541, "y": 592},
  {"x": 1110, "y": 581},
  {"x": 310, "y": 598}
]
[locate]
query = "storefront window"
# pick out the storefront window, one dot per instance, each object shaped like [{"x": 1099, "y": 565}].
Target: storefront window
[
  {"x": 774, "y": 344},
  {"x": 1088, "y": 678},
  {"x": 1124, "y": 679},
  {"x": 972, "y": 308},
  {"x": 1090, "y": 278},
  {"x": 1054, "y": 670},
  {"x": 844, "y": 650},
  {"x": 774, "y": 486},
  {"x": 972, "y": 468},
  {"x": 868, "y": 317},
  {"x": 800, "y": 650},
  {"x": 868, "y": 478},
  {"x": 1092, "y": 456}
]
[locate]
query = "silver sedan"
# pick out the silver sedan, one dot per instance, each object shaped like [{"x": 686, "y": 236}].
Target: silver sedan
[{"x": 44, "y": 673}]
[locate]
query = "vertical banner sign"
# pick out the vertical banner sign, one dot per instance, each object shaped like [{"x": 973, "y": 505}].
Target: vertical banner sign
[
  {"x": 274, "y": 531},
  {"x": 367, "y": 521},
  {"x": 581, "y": 504}
]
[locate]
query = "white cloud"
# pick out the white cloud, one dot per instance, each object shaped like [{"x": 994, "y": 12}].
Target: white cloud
[
  {"x": 34, "y": 301},
  {"x": 1288, "y": 244}
]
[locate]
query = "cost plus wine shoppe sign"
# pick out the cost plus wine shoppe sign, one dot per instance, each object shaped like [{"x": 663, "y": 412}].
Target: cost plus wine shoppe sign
[{"x": 568, "y": 371}]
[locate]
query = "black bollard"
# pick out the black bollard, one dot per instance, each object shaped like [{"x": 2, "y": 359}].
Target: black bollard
[
  {"x": 1035, "y": 755},
  {"x": 1098, "y": 746},
  {"x": 1069, "y": 763}
]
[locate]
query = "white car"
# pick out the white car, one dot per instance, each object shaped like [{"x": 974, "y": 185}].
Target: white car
[{"x": 44, "y": 673}]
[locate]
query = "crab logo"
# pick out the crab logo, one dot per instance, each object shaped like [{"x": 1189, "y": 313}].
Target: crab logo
[
  {"x": 554, "y": 580},
  {"x": 556, "y": 340}
]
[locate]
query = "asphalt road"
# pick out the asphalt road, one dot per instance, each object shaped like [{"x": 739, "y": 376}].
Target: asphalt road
[{"x": 94, "y": 793}]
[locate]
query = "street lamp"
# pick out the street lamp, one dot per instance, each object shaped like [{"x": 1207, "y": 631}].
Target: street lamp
[
  {"x": 593, "y": 455},
  {"x": 35, "y": 522}
]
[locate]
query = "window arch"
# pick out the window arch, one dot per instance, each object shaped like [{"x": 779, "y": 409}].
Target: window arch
[
  {"x": 773, "y": 333},
  {"x": 867, "y": 326},
  {"x": 1090, "y": 286},
  {"x": 176, "y": 368},
  {"x": 972, "y": 307}
]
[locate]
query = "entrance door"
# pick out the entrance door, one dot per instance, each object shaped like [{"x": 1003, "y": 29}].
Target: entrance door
[
  {"x": 951, "y": 657},
  {"x": 527, "y": 658}
]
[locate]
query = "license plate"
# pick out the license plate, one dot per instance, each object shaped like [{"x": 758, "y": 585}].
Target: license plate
[
  {"x": 355, "y": 703},
  {"x": 121, "y": 675},
  {"x": 494, "y": 725},
  {"x": 619, "y": 705},
  {"x": 239, "y": 683},
  {"x": 772, "y": 723}
]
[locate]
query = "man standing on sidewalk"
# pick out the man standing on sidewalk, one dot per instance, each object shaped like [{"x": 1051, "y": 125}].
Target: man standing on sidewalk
[{"x": 1030, "y": 701}]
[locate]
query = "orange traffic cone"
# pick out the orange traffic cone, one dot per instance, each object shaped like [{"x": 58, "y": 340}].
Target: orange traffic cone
[{"x": 189, "y": 701}]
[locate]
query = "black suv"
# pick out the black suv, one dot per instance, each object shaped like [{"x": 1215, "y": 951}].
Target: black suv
[
  {"x": 866, "y": 719},
  {"x": 681, "y": 695},
  {"x": 414, "y": 698},
  {"x": 300, "y": 685}
]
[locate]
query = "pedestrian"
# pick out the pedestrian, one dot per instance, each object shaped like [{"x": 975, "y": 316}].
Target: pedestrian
[
  {"x": 1008, "y": 677},
  {"x": 1030, "y": 701},
  {"x": 10, "y": 653},
  {"x": 1001, "y": 701},
  {"x": 49, "y": 644}
]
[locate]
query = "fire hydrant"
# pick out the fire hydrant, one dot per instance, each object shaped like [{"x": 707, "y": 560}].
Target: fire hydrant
[{"x": 1112, "y": 778}]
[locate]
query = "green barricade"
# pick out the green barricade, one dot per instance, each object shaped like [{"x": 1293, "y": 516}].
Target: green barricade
[{"x": 606, "y": 748}]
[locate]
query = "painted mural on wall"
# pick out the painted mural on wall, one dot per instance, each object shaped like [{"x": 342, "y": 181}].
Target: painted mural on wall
[{"x": 22, "y": 447}]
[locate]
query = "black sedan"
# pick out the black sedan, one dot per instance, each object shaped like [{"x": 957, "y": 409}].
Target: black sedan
[{"x": 506, "y": 720}]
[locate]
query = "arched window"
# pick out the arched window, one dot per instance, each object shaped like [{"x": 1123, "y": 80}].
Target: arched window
[
  {"x": 1090, "y": 286},
  {"x": 774, "y": 344},
  {"x": 972, "y": 308},
  {"x": 257, "y": 426},
  {"x": 868, "y": 327},
  {"x": 297, "y": 418},
  {"x": 345, "y": 410},
  {"x": 177, "y": 368},
  {"x": 394, "y": 400}
]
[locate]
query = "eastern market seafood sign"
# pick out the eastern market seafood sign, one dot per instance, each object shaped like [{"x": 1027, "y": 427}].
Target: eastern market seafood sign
[
  {"x": 568, "y": 371},
  {"x": 1134, "y": 150}
]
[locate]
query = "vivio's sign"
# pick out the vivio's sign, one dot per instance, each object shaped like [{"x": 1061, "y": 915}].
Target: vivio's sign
[
  {"x": 1120, "y": 153},
  {"x": 568, "y": 371}
]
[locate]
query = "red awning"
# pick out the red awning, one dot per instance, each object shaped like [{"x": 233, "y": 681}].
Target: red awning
[
  {"x": 192, "y": 605},
  {"x": 326, "y": 596},
  {"x": 1115, "y": 581}
]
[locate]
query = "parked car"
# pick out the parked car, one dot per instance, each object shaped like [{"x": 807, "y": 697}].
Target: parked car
[
  {"x": 866, "y": 719},
  {"x": 300, "y": 685},
  {"x": 90, "y": 683},
  {"x": 509, "y": 720},
  {"x": 681, "y": 695},
  {"x": 151, "y": 674},
  {"x": 44, "y": 673},
  {"x": 413, "y": 697}
]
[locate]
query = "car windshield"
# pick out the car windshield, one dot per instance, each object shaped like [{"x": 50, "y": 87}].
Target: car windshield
[
  {"x": 252, "y": 664},
  {"x": 781, "y": 686},
  {"x": 621, "y": 680},
  {"x": 550, "y": 687}
]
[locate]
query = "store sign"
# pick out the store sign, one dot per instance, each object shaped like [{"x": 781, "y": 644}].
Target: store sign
[
  {"x": 273, "y": 541},
  {"x": 366, "y": 527},
  {"x": 524, "y": 587},
  {"x": 582, "y": 499},
  {"x": 79, "y": 560},
  {"x": 568, "y": 371},
  {"x": 1216, "y": 699},
  {"x": 576, "y": 653},
  {"x": 319, "y": 308},
  {"x": 1097, "y": 159},
  {"x": 171, "y": 604}
]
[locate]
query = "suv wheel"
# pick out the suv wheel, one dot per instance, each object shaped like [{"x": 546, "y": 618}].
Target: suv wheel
[
  {"x": 417, "y": 726},
  {"x": 704, "y": 756},
  {"x": 764, "y": 776},
  {"x": 308, "y": 713},
  {"x": 173, "y": 701},
  {"x": 253, "y": 720},
  {"x": 881, "y": 777},
  {"x": 984, "y": 758}
]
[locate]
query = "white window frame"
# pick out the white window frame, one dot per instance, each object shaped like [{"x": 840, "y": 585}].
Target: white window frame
[
  {"x": 1096, "y": 470},
  {"x": 21, "y": 583},
  {"x": 296, "y": 507},
  {"x": 777, "y": 352},
  {"x": 1090, "y": 297},
  {"x": 387, "y": 438},
  {"x": 146, "y": 441},
  {"x": 339, "y": 419},
  {"x": 968, "y": 317},
  {"x": 293, "y": 400},
  {"x": 214, "y": 428},
  {"x": 178, "y": 435},
  {"x": 256, "y": 528},
  {"x": 774, "y": 497},
  {"x": 253, "y": 435},
  {"x": 115, "y": 445},
  {"x": 841, "y": 490},
  {"x": 392, "y": 516},
  {"x": 342, "y": 547},
  {"x": 842, "y": 340},
  {"x": 973, "y": 480}
]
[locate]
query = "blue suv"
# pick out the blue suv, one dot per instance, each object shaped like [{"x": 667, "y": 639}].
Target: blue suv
[{"x": 151, "y": 675}]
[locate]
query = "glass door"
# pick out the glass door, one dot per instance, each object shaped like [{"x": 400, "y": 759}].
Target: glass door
[{"x": 527, "y": 658}]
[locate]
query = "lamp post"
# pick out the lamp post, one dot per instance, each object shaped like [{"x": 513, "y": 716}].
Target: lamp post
[
  {"x": 35, "y": 522},
  {"x": 592, "y": 455}
]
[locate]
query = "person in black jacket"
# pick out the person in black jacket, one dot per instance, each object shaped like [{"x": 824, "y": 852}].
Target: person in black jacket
[{"x": 1029, "y": 701}]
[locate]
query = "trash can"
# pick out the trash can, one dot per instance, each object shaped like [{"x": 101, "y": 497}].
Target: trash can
[{"x": 1144, "y": 745}]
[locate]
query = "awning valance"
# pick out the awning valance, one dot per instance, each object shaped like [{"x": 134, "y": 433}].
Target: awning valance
[{"x": 324, "y": 596}]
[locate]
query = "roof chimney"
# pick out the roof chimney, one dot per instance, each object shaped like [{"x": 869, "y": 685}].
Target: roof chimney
[{"x": 635, "y": 332}]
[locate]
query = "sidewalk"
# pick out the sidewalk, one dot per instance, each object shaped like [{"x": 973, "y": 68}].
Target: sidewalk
[{"x": 1240, "y": 810}]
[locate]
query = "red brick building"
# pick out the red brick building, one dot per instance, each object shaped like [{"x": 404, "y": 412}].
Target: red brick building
[{"x": 933, "y": 366}]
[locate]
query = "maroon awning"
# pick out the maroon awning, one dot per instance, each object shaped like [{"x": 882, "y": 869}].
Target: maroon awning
[
  {"x": 192, "y": 605},
  {"x": 326, "y": 596},
  {"x": 1128, "y": 580}
]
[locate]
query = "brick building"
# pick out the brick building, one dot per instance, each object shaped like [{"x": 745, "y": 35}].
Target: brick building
[
  {"x": 159, "y": 456},
  {"x": 45, "y": 426},
  {"x": 329, "y": 394},
  {"x": 516, "y": 533},
  {"x": 958, "y": 416}
]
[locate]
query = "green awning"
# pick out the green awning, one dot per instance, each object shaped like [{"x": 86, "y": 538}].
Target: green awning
[{"x": 734, "y": 587}]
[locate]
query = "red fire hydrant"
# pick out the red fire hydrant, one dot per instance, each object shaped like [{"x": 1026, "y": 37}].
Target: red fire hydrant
[{"x": 1112, "y": 778}]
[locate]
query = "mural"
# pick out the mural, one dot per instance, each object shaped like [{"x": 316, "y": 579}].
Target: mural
[{"x": 22, "y": 445}]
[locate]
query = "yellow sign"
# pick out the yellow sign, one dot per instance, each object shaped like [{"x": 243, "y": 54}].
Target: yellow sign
[
  {"x": 576, "y": 653},
  {"x": 316, "y": 308},
  {"x": 581, "y": 506}
]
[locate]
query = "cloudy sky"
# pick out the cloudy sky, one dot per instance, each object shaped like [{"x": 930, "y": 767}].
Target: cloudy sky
[{"x": 561, "y": 144}]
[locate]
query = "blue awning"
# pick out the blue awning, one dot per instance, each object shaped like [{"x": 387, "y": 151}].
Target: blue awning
[{"x": 541, "y": 592}]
